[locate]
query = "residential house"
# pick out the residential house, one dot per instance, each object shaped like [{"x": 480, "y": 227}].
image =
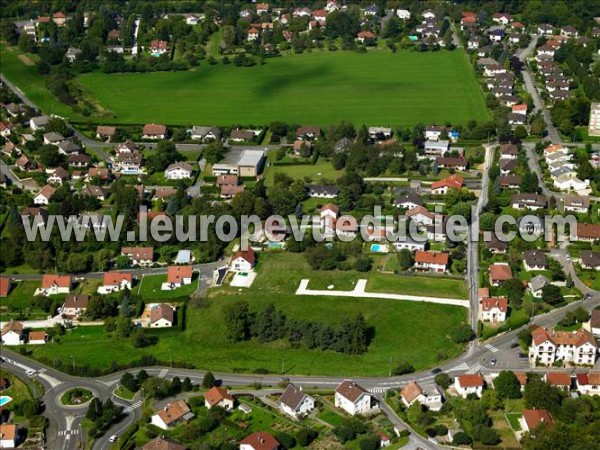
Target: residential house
[
  {"x": 139, "y": 256},
  {"x": 535, "y": 260},
  {"x": 5, "y": 286},
  {"x": 12, "y": 333},
  {"x": 25, "y": 164},
  {"x": 436, "y": 148},
  {"x": 79, "y": 160},
  {"x": 593, "y": 325},
  {"x": 590, "y": 260},
  {"x": 354, "y": 399},
  {"x": 259, "y": 440},
  {"x": 409, "y": 201},
  {"x": 493, "y": 309},
  {"x": 501, "y": 18},
  {"x": 97, "y": 192},
  {"x": 37, "y": 338},
  {"x": 322, "y": 191},
  {"x": 43, "y": 197},
  {"x": 178, "y": 276},
  {"x": 403, "y": 14},
  {"x": 38, "y": 122},
  {"x": 58, "y": 176},
  {"x": 431, "y": 261},
  {"x": 243, "y": 261},
  {"x": 533, "y": 202},
  {"x": 534, "y": 418},
  {"x": 162, "y": 316},
  {"x": 588, "y": 232},
  {"x": 536, "y": 284},
  {"x": 588, "y": 383},
  {"x": 72, "y": 53},
  {"x": 412, "y": 393},
  {"x": 469, "y": 384},
  {"x": 105, "y": 132},
  {"x": 158, "y": 47},
  {"x": 441, "y": 187},
  {"x": 458, "y": 163},
  {"x": 559, "y": 380},
  {"x": 179, "y": 171},
  {"x": 75, "y": 306},
  {"x": 154, "y": 131},
  {"x": 508, "y": 151},
  {"x": 55, "y": 284},
  {"x": 172, "y": 415},
  {"x": 309, "y": 133},
  {"x": 206, "y": 133},
  {"x": 421, "y": 216},
  {"x": 576, "y": 204},
  {"x": 496, "y": 245},
  {"x": 253, "y": 34},
  {"x": 577, "y": 347},
  {"x": 380, "y": 133},
  {"x": 8, "y": 435},
  {"x": 217, "y": 396},
  {"x": 499, "y": 273},
  {"x": 114, "y": 282},
  {"x": 295, "y": 402},
  {"x": 163, "y": 443},
  {"x": 59, "y": 18}
]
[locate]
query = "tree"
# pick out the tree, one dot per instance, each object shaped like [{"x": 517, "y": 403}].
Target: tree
[
  {"x": 443, "y": 380},
  {"x": 507, "y": 385},
  {"x": 462, "y": 438},
  {"x": 514, "y": 292},
  {"x": 129, "y": 382},
  {"x": 363, "y": 264},
  {"x": 166, "y": 153},
  {"x": 462, "y": 333},
  {"x": 552, "y": 295},
  {"x": 209, "y": 380},
  {"x": 404, "y": 367},
  {"x": 524, "y": 337},
  {"x": 369, "y": 442},
  {"x": 520, "y": 132},
  {"x": 285, "y": 439},
  {"x": 306, "y": 436},
  {"x": 237, "y": 321},
  {"x": 529, "y": 183},
  {"x": 405, "y": 259},
  {"x": 49, "y": 156},
  {"x": 94, "y": 410},
  {"x": 541, "y": 395},
  {"x": 213, "y": 152}
]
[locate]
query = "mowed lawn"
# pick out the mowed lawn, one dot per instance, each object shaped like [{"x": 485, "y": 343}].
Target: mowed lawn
[
  {"x": 150, "y": 288},
  {"x": 402, "y": 330},
  {"x": 320, "y": 88}
]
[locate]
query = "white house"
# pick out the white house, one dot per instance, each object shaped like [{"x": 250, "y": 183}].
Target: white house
[
  {"x": 329, "y": 214},
  {"x": 354, "y": 399},
  {"x": 55, "y": 284},
  {"x": 493, "y": 309},
  {"x": 8, "y": 435},
  {"x": 413, "y": 392},
  {"x": 403, "y": 14},
  {"x": 114, "y": 282},
  {"x": 535, "y": 260},
  {"x": 431, "y": 261},
  {"x": 469, "y": 384},
  {"x": 39, "y": 122},
  {"x": 12, "y": 333},
  {"x": 37, "y": 338},
  {"x": 141, "y": 256},
  {"x": 588, "y": 383},
  {"x": 74, "y": 306},
  {"x": 179, "y": 171},
  {"x": 243, "y": 261},
  {"x": 217, "y": 396},
  {"x": 577, "y": 347},
  {"x": 171, "y": 415},
  {"x": 162, "y": 316},
  {"x": 295, "y": 403},
  {"x": 178, "y": 276},
  {"x": 43, "y": 197}
]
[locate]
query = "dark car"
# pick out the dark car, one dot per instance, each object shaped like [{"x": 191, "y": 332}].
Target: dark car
[
  {"x": 514, "y": 345},
  {"x": 436, "y": 371}
]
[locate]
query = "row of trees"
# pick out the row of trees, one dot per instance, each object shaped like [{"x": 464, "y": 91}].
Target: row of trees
[{"x": 270, "y": 324}]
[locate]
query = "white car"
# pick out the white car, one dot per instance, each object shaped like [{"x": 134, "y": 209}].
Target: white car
[
  {"x": 113, "y": 438},
  {"x": 30, "y": 372}
]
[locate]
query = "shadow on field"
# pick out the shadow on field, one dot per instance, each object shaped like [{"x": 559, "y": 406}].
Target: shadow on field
[{"x": 276, "y": 83}]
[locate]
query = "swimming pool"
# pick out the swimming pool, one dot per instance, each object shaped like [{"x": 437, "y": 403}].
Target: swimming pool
[
  {"x": 4, "y": 399},
  {"x": 275, "y": 245},
  {"x": 378, "y": 248}
]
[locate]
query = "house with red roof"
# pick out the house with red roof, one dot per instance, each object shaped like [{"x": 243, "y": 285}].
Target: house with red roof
[
  {"x": 55, "y": 284},
  {"x": 354, "y": 399},
  {"x": 177, "y": 276},
  {"x": 431, "y": 261},
  {"x": 469, "y": 384},
  {"x": 493, "y": 309},
  {"x": 5, "y": 285},
  {"x": 588, "y": 383},
  {"x": 243, "y": 261},
  {"x": 499, "y": 273},
  {"x": 365, "y": 36},
  {"x": 571, "y": 347},
  {"x": 114, "y": 282},
  {"x": 452, "y": 182},
  {"x": 161, "y": 316},
  {"x": 154, "y": 131},
  {"x": 75, "y": 305},
  {"x": 140, "y": 256},
  {"x": 217, "y": 396},
  {"x": 260, "y": 440},
  {"x": 534, "y": 418}
]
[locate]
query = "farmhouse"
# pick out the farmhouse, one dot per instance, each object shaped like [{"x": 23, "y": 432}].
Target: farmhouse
[
  {"x": 295, "y": 403},
  {"x": 243, "y": 261},
  {"x": 154, "y": 131},
  {"x": 493, "y": 309},
  {"x": 162, "y": 316},
  {"x": 171, "y": 415},
  {"x": 354, "y": 399},
  {"x": 114, "y": 282},
  {"x": 140, "y": 256},
  {"x": 179, "y": 171},
  {"x": 217, "y": 396},
  {"x": 178, "y": 276},
  {"x": 74, "y": 306},
  {"x": 469, "y": 384},
  {"x": 413, "y": 392},
  {"x": 260, "y": 440},
  {"x": 499, "y": 273},
  {"x": 535, "y": 260},
  {"x": 12, "y": 333},
  {"x": 548, "y": 346},
  {"x": 55, "y": 284},
  {"x": 431, "y": 261}
]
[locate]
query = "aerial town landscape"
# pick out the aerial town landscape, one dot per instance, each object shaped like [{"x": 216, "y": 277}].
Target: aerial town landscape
[{"x": 318, "y": 224}]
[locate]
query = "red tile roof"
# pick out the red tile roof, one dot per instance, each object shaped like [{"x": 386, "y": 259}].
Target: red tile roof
[
  {"x": 454, "y": 182},
  {"x": 152, "y": 129},
  {"x": 576, "y": 338},
  {"x": 411, "y": 391},
  {"x": 216, "y": 395},
  {"x": 489, "y": 303},
  {"x": 558, "y": 379},
  {"x": 429, "y": 257},
  {"x": 470, "y": 380},
  {"x": 500, "y": 272},
  {"x": 247, "y": 255},
  {"x": 535, "y": 417},
  {"x": 261, "y": 440},
  {"x": 4, "y": 286},
  {"x": 115, "y": 278},
  {"x": 175, "y": 274},
  {"x": 162, "y": 311},
  {"x": 58, "y": 280}
]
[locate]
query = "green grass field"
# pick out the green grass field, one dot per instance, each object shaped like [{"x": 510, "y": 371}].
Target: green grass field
[
  {"x": 150, "y": 288},
  {"x": 321, "y": 88},
  {"x": 323, "y": 170},
  {"x": 399, "y": 330}
]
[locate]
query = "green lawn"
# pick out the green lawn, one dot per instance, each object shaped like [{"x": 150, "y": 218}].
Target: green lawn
[
  {"x": 19, "y": 302},
  {"x": 331, "y": 417},
  {"x": 322, "y": 170},
  {"x": 150, "y": 285},
  {"x": 321, "y": 88},
  {"x": 418, "y": 285},
  {"x": 399, "y": 328}
]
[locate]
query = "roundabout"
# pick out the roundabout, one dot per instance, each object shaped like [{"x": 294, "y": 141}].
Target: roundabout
[{"x": 75, "y": 398}]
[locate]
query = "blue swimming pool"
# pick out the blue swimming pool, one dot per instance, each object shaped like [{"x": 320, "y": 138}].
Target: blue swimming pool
[
  {"x": 378, "y": 248},
  {"x": 4, "y": 399}
]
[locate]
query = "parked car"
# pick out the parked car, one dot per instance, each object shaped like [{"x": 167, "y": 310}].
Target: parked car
[{"x": 113, "y": 438}]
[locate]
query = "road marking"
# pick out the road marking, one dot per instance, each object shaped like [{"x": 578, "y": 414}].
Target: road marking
[
  {"x": 163, "y": 373},
  {"x": 132, "y": 407},
  {"x": 378, "y": 390},
  {"x": 68, "y": 433},
  {"x": 476, "y": 368},
  {"x": 491, "y": 348},
  {"x": 463, "y": 366},
  {"x": 42, "y": 370}
]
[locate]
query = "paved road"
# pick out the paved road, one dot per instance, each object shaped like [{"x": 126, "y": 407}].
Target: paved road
[{"x": 7, "y": 171}]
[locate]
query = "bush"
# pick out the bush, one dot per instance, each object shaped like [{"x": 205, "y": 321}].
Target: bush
[
  {"x": 306, "y": 436},
  {"x": 287, "y": 440},
  {"x": 441, "y": 429},
  {"x": 461, "y": 334},
  {"x": 431, "y": 432},
  {"x": 370, "y": 442},
  {"x": 443, "y": 380},
  {"x": 403, "y": 368},
  {"x": 462, "y": 438}
]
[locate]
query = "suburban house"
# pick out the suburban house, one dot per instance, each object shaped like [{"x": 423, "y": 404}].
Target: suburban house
[
  {"x": 12, "y": 333},
  {"x": 154, "y": 131},
  {"x": 354, "y": 399},
  {"x": 577, "y": 204},
  {"x": 548, "y": 346},
  {"x": 593, "y": 325},
  {"x": 158, "y": 47},
  {"x": 55, "y": 284},
  {"x": 499, "y": 273},
  {"x": 177, "y": 276},
  {"x": 43, "y": 197},
  {"x": 217, "y": 396},
  {"x": 590, "y": 260},
  {"x": 5, "y": 285},
  {"x": 533, "y": 202},
  {"x": 536, "y": 284},
  {"x": 260, "y": 440},
  {"x": 436, "y": 148},
  {"x": 408, "y": 201},
  {"x": 588, "y": 232},
  {"x": 431, "y": 261},
  {"x": 469, "y": 384},
  {"x": 328, "y": 215},
  {"x": 510, "y": 181},
  {"x": 421, "y": 216},
  {"x": 243, "y": 261},
  {"x": 365, "y": 36},
  {"x": 560, "y": 380},
  {"x": 114, "y": 282},
  {"x": 533, "y": 418},
  {"x": 171, "y": 415},
  {"x": 495, "y": 245},
  {"x": 380, "y": 133},
  {"x": 441, "y": 187},
  {"x": 295, "y": 403},
  {"x": 205, "y": 133},
  {"x": 179, "y": 171},
  {"x": 241, "y": 135},
  {"x": 37, "y": 337},
  {"x": 588, "y": 383},
  {"x": 139, "y": 256},
  {"x": 53, "y": 138},
  {"x": 163, "y": 443},
  {"x": 493, "y": 309},
  {"x": 38, "y": 122},
  {"x": 322, "y": 191},
  {"x": 74, "y": 306},
  {"x": 8, "y": 435},
  {"x": 458, "y": 163},
  {"x": 430, "y": 397},
  {"x": 105, "y": 132},
  {"x": 310, "y": 133},
  {"x": 162, "y": 316},
  {"x": 535, "y": 260}
]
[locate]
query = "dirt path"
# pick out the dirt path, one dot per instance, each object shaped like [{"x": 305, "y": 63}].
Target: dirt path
[{"x": 26, "y": 60}]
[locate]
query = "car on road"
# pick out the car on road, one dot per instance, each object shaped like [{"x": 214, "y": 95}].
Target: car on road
[
  {"x": 113, "y": 438},
  {"x": 522, "y": 356},
  {"x": 493, "y": 361},
  {"x": 30, "y": 372},
  {"x": 514, "y": 344},
  {"x": 436, "y": 371}
]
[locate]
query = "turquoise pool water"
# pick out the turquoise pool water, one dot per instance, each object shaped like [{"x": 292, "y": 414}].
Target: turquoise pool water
[
  {"x": 4, "y": 399},
  {"x": 377, "y": 248},
  {"x": 275, "y": 245}
]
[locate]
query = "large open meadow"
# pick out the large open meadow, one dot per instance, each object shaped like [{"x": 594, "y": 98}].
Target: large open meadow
[
  {"x": 400, "y": 329},
  {"x": 321, "y": 88}
]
